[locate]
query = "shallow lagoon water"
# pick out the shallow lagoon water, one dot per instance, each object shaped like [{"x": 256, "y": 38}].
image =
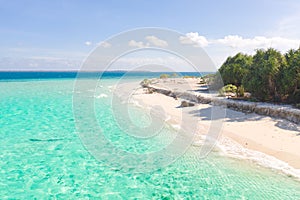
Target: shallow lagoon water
[{"x": 42, "y": 156}]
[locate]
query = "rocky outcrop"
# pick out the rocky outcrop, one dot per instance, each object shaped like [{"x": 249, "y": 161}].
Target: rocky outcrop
[
  {"x": 278, "y": 111},
  {"x": 186, "y": 104}
]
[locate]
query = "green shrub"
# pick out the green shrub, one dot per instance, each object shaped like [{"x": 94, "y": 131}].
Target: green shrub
[
  {"x": 163, "y": 76},
  {"x": 145, "y": 82},
  {"x": 202, "y": 81},
  {"x": 230, "y": 88},
  {"x": 189, "y": 76},
  {"x": 240, "y": 92}
]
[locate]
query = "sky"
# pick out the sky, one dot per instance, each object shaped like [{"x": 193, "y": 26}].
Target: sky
[{"x": 60, "y": 35}]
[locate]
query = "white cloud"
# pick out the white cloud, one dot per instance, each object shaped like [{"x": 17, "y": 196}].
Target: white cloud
[
  {"x": 240, "y": 43},
  {"x": 194, "y": 39},
  {"x": 156, "y": 41},
  {"x": 219, "y": 49},
  {"x": 257, "y": 42},
  {"x": 233, "y": 41},
  {"x": 104, "y": 44},
  {"x": 133, "y": 43},
  {"x": 88, "y": 43},
  {"x": 150, "y": 40}
]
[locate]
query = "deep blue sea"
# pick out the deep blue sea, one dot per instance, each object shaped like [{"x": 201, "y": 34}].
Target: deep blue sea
[{"x": 73, "y": 74}]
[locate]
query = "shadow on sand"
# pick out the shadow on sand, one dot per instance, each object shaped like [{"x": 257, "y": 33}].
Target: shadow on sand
[{"x": 235, "y": 116}]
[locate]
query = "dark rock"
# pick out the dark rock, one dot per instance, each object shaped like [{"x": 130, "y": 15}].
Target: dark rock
[{"x": 186, "y": 104}]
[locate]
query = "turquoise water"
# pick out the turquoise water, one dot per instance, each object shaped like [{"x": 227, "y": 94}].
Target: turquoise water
[{"x": 42, "y": 156}]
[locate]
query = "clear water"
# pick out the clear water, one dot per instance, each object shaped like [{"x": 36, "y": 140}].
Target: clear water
[{"x": 42, "y": 157}]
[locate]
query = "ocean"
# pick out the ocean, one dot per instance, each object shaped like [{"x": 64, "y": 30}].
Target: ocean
[{"x": 43, "y": 157}]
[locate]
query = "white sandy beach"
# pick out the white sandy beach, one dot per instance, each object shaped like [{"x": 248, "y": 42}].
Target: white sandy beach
[{"x": 242, "y": 135}]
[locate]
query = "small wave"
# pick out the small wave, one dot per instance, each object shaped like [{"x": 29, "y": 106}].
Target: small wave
[
  {"x": 175, "y": 126},
  {"x": 168, "y": 117},
  {"x": 234, "y": 149},
  {"x": 101, "y": 96},
  {"x": 111, "y": 88}
]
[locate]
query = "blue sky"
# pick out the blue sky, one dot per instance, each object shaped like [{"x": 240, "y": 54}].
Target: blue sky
[{"x": 47, "y": 34}]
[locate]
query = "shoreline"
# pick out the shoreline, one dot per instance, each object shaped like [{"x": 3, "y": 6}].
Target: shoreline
[
  {"x": 268, "y": 109},
  {"x": 269, "y": 141}
]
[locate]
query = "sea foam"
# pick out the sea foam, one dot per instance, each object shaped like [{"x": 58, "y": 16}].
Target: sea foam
[
  {"x": 235, "y": 150},
  {"x": 101, "y": 96}
]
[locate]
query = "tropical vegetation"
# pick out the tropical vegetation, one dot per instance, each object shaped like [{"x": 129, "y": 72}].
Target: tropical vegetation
[{"x": 268, "y": 75}]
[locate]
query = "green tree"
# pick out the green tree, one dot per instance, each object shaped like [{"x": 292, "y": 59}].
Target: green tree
[
  {"x": 263, "y": 77},
  {"x": 291, "y": 76},
  {"x": 235, "y": 68}
]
